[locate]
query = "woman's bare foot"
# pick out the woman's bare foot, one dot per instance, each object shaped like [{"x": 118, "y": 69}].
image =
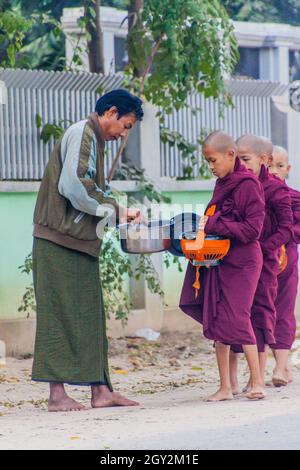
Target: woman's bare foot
[
  {"x": 60, "y": 401},
  {"x": 220, "y": 395},
  {"x": 102, "y": 397},
  {"x": 256, "y": 392},
  {"x": 65, "y": 404}
]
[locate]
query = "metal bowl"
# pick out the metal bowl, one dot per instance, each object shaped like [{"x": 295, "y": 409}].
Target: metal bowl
[
  {"x": 152, "y": 237},
  {"x": 192, "y": 235},
  {"x": 184, "y": 222}
]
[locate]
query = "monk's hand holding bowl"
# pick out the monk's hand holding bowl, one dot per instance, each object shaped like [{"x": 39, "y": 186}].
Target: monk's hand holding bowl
[{"x": 202, "y": 222}]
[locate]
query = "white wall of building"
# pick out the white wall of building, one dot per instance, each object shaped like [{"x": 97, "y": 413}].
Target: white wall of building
[
  {"x": 273, "y": 41},
  {"x": 111, "y": 23}
]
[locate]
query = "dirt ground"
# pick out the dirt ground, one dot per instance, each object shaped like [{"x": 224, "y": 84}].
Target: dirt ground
[{"x": 169, "y": 377}]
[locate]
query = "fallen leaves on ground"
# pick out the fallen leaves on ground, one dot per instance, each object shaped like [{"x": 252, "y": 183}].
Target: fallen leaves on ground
[{"x": 138, "y": 367}]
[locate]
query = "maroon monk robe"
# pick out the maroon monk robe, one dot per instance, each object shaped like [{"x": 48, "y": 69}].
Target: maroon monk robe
[
  {"x": 285, "y": 329},
  {"x": 277, "y": 231},
  {"x": 226, "y": 293}
]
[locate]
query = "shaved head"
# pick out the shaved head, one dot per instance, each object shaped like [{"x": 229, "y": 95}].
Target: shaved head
[
  {"x": 219, "y": 141},
  {"x": 258, "y": 145},
  {"x": 280, "y": 152},
  {"x": 279, "y": 165},
  {"x": 219, "y": 150},
  {"x": 254, "y": 151}
]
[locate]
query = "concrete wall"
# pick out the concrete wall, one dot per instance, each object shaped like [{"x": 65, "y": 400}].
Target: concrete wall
[
  {"x": 16, "y": 209},
  {"x": 173, "y": 279}
]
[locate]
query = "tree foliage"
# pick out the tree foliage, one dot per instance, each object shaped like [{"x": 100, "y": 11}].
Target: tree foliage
[
  {"x": 274, "y": 11},
  {"x": 13, "y": 28},
  {"x": 182, "y": 45},
  {"x": 42, "y": 44}
]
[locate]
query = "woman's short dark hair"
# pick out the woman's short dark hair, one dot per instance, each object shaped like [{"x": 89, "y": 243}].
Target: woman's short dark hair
[{"x": 124, "y": 101}]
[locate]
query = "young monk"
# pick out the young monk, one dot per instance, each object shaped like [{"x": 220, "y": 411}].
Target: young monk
[
  {"x": 255, "y": 153},
  {"x": 285, "y": 328},
  {"x": 223, "y": 305}
]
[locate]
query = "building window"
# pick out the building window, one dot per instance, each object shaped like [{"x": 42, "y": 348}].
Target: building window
[
  {"x": 294, "y": 59},
  {"x": 248, "y": 65},
  {"x": 121, "y": 57}
]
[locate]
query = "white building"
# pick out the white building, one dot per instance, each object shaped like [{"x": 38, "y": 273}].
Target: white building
[
  {"x": 114, "y": 36},
  {"x": 268, "y": 51}
]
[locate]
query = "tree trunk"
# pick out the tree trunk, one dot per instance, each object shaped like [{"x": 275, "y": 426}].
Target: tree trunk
[
  {"x": 134, "y": 9},
  {"x": 134, "y": 21},
  {"x": 95, "y": 45}
]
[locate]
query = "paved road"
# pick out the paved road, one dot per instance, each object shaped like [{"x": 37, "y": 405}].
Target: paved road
[
  {"x": 263, "y": 434},
  {"x": 169, "y": 420}
]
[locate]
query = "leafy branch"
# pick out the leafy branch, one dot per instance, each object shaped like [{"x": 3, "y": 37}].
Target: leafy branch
[
  {"x": 13, "y": 28},
  {"x": 114, "y": 267},
  {"x": 190, "y": 153},
  {"x": 28, "y": 299}
]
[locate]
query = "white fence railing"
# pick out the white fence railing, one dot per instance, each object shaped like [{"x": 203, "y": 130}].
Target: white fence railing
[
  {"x": 65, "y": 96},
  {"x": 250, "y": 113},
  {"x": 58, "y": 98}
]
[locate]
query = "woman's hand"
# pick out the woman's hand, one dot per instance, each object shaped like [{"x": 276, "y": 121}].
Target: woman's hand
[
  {"x": 140, "y": 219},
  {"x": 133, "y": 215},
  {"x": 128, "y": 215},
  {"x": 136, "y": 216}
]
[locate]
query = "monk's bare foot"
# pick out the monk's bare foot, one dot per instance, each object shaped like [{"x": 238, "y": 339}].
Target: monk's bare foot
[
  {"x": 269, "y": 383},
  {"x": 65, "y": 404},
  {"x": 102, "y": 397},
  {"x": 248, "y": 387},
  {"x": 279, "y": 378},
  {"x": 256, "y": 392},
  {"x": 220, "y": 395},
  {"x": 279, "y": 381},
  {"x": 235, "y": 390},
  {"x": 288, "y": 375}
]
